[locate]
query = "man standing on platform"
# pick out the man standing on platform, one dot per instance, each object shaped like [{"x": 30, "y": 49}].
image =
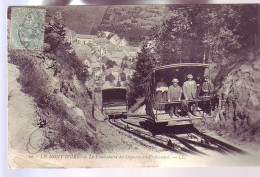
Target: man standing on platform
[
  {"x": 190, "y": 93},
  {"x": 174, "y": 94},
  {"x": 208, "y": 87},
  {"x": 208, "y": 91},
  {"x": 189, "y": 88}
]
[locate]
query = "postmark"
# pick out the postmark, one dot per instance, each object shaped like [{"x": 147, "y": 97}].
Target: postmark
[{"x": 27, "y": 28}]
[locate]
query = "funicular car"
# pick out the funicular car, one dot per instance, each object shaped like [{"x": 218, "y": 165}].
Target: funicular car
[
  {"x": 114, "y": 103},
  {"x": 157, "y": 109}
]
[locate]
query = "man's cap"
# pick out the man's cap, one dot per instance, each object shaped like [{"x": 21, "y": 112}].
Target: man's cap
[
  {"x": 189, "y": 76},
  {"x": 175, "y": 80}
]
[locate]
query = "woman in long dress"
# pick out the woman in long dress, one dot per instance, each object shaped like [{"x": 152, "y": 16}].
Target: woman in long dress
[{"x": 161, "y": 93}]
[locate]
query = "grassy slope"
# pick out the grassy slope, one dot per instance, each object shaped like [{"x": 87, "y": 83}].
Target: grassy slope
[{"x": 63, "y": 105}]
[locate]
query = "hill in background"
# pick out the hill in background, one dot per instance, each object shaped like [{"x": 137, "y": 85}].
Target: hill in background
[{"x": 132, "y": 22}]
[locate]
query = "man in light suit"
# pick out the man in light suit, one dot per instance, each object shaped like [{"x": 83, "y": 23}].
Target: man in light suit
[
  {"x": 189, "y": 88},
  {"x": 190, "y": 93}
]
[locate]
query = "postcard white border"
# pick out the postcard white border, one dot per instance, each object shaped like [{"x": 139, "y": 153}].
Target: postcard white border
[{"x": 112, "y": 172}]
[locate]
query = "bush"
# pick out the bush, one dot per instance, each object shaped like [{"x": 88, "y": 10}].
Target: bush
[{"x": 110, "y": 63}]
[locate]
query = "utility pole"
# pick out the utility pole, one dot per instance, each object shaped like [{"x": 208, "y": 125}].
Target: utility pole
[{"x": 204, "y": 57}]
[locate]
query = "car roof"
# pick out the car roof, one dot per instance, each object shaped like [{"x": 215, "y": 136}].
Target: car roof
[
  {"x": 181, "y": 65},
  {"x": 113, "y": 88}
]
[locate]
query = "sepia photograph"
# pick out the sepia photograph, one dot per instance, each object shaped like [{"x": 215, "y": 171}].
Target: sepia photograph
[{"x": 174, "y": 85}]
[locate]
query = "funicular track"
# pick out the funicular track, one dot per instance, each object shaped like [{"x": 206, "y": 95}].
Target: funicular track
[
  {"x": 194, "y": 143},
  {"x": 217, "y": 142},
  {"x": 145, "y": 135}
]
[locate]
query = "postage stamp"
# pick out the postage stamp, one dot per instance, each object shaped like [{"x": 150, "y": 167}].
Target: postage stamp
[{"x": 27, "y": 28}]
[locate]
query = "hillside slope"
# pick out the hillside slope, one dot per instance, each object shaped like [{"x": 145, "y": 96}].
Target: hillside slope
[
  {"x": 238, "y": 115},
  {"x": 133, "y": 22},
  {"x": 63, "y": 106}
]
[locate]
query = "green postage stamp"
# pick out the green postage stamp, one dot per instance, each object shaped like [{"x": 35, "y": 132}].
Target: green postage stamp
[{"x": 27, "y": 28}]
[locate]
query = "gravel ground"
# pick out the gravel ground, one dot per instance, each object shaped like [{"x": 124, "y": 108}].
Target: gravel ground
[{"x": 251, "y": 147}]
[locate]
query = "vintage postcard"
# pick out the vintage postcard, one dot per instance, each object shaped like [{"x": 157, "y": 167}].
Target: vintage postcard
[{"x": 133, "y": 86}]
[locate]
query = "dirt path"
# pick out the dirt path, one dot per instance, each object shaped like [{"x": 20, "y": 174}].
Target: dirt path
[{"x": 21, "y": 114}]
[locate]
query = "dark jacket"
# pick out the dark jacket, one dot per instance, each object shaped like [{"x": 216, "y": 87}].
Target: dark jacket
[{"x": 208, "y": 88}]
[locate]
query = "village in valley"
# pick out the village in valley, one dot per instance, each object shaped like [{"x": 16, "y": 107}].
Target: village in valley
[{"x": 109, "y": 58}]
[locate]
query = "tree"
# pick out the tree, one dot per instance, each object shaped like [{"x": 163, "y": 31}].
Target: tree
[
  {"x": 123, "y": 76},
  {"x": 198, "y": 32},
  {"x": 61, "y": 50},
  {"x": 118, "y": 84},
  {"x": 248, "y": 30},
  {"x": 110, "y": 77},
  {"x": 110, "y": 63},
  {"x": 144, "y": 65},
  {"x": 217, "y": 26},
  {"x": 175, "y": 38},
  {"x": 55, "y": 34},
  {"x": 124, "y": 65},
  {"x": 103, "y": 68},
  {"x": 125, "y": 58}
]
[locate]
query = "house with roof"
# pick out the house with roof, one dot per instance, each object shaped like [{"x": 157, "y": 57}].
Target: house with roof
[
  {"x": 82, "y": 39},
  {"x": 86, "y": 62},
  {"x": 70, "y": 35},
  {"x": 128, "y": 72},
  {"x": 96, "y": 65},
  {"x": 122, "y": 43},
  {"x": 115, "y": 74},
  {"x": 94, "y": 58},
  {"x": 117, "y": 57},
  {"x": 83, "y": 51},
  {"x": 129, "y": 63},
  {"x": 110, "y": 48},
  {"x": 106, "y": 33},
  {"x": 90, "y": 70},
  {"x": 108, "y": 84},
  {"x": 100, "y": 42},
  {"x": 131, "y": 51},
  {"x": 115, "y": 39}
]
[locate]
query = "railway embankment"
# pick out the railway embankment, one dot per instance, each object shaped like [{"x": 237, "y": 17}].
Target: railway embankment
[{"x": 237, "y": 116}]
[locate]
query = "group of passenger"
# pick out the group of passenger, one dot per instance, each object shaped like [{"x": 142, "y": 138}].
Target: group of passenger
[{"x": 190, "y": 90}]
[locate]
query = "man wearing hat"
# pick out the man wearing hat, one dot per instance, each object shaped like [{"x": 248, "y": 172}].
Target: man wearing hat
[
  {"x": 190, "y": 93},
  {"x": 189, "y": 88},
  {"x": 174, "y": 94},
  {"x": 207, "y": 90},
  {"x": 207, "y": 87}
]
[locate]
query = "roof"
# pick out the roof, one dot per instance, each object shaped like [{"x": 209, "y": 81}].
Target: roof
[
  {"x": 131, "y": 49},
  {"x": 118, "y": 54},
  {"x": 111, "y": 88},
  {"x": 69, "y": 31},
  {"x": 115, "y": 37},
  {"x": 181, "y": 65},
  {"x": 123, "y": 40},
  {"x": 84, "y": 36},
  {"x": 101, "y": 40}
]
